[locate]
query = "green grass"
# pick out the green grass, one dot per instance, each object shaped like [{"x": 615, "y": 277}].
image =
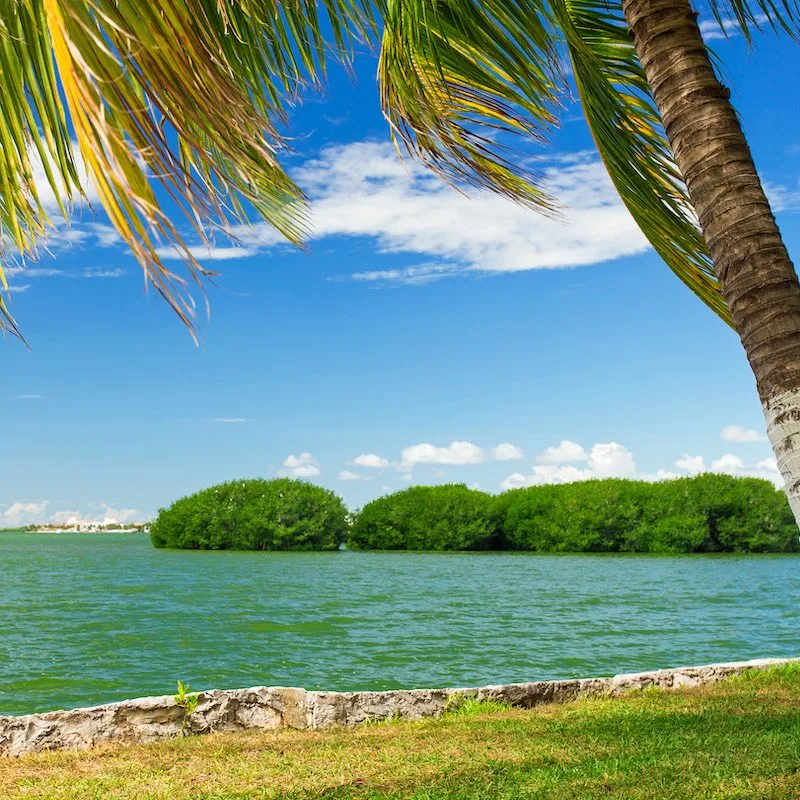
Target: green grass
[{"x": 733, "y": 741}]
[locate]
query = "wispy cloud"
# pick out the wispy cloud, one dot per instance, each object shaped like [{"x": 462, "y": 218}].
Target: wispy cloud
[
  {"x": 35, "y": 272},
  {"x": 53, "y": 272},
  {"x": 29, "y": 396},
  {"x": 506, "y": 452},
  {"x": 301, "y": 466},
  {"x": 457, "y": 452},
  {"x": 347, "y": 475},
  {"x": 230, "y": 420},
  {"x": 713, "y": 30},
  {"x": 100, "y": 511},
  {"x": 564, "y": 453},
  {"x": 731, "y": 464},
  {"x": 362, "y": 189},
  {"x": 782, "y": 198},
  {"x": 12, "y": 289},
  {"x": 202, "y": 253},
  {"x": 407, "y": 276},
  {"x": 736, "y": 433},
  {"x": 371, "y": 461},
  {"x": 23, "y": 513},
  {"x": 91, "y": 272}
]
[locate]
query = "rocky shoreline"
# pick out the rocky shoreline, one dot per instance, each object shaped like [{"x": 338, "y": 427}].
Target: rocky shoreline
[{"x": 265, "y": 708}]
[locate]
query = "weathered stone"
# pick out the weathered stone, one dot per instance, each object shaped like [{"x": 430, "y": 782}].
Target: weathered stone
[{"x": 266, "y": 708}]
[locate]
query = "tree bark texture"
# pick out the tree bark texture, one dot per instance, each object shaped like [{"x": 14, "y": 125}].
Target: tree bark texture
[{"x": 756, "y": 275}]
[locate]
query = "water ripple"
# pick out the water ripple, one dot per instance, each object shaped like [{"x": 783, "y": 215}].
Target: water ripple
[{"x": 90, "y": 619}]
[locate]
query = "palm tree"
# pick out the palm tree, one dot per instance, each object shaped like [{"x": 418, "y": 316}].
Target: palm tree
[{"x": 190, "y": 94}]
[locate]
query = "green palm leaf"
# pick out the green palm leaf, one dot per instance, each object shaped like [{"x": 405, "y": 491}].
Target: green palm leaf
[
  {"x": 453, "y": 72},
  {"x": 752, "y": 16},
  {"x": 629, "y": 135},
  {"x": 456, "y": 73},
  {"x": 185, "y": 94}
]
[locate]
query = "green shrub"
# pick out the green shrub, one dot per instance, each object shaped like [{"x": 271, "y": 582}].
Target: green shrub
[
  {"x": 449, "y": 517},
  {"x": 707, "y": 513},
  {"x": 256, "y": 514}
]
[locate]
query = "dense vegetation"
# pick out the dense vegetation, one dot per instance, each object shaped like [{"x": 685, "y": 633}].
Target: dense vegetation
[
  {"x": 280, "y": 514},
  {"x": 449, "y": 517},
  {"x": 707, "y": 513}
]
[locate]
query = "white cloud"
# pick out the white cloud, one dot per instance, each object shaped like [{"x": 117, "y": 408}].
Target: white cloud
[
  {"x": 736, "y": 433},
  {"x": 52, "y": 272},
  {"x": 256, "y": 236},
  {"x": 731, "y": 464},
  {"x": 516, "y": 480},
  {"x": 426, "y": 453},
  {"x": 99, "y": 511},
  {"x": 371, "y": 461},
  {"x": 565, "y": 453},
  {"x": 90, "y": 272},
  {"x": 66, "y": 233},
  {"x": 302, "y": 466},
  {"x": 210, "y": 253},
  {"x": 120, "y": 514},
  {"x": 66, "y": 514},
  {"x": 662, "y": 475},
  {"x": 611, "y": 459},
  {"x": 35, "y": 272},
  {"x": 363, "y": 189},
  {"x": 604, "y": 460},
  {"x": 711, "y": 30},
  {"x": 408, "y": 276},
  {"x": 18, "y": 289},
  {"x": 105, "y": 235},
  {"x": 727, "y": 463},
  {"x": 769, "y": 466},
  {"x": 47, "y": 196},
  {"x": 782, "y": 198},
  {"x": 230, "y": 420},
  {"x": 506, "y": 452},
  {"x": 694, "y": 465},
  {"x": 29, "y": 396},
  {"x": 546, "y": 473},
  {"x": 347, "y": 475},
  {"x": 23, "y": 514}
]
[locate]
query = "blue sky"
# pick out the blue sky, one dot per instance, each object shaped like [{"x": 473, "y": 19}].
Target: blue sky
[{"x": 425, "y": 337}]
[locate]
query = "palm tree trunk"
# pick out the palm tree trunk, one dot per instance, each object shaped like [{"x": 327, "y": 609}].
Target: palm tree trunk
[{"x": 755, "y": 272}]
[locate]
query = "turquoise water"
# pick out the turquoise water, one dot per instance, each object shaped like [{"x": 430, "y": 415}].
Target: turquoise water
[{"x": 87, "y": 619}]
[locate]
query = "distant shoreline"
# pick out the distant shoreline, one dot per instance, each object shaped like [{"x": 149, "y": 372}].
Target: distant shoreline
[{"x": 72, "y": 530}]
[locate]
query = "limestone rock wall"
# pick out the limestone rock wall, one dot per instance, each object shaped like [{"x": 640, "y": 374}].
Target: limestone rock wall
[{"x": 266, "y": 708}]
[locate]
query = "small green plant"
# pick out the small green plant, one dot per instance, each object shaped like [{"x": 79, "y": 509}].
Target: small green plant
[
  {"x": 187, "y": 700},
  {"x": 465, "y": 705}
]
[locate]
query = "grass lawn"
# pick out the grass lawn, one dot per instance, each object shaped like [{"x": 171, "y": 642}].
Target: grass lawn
[{"x": 739, "y": 739}]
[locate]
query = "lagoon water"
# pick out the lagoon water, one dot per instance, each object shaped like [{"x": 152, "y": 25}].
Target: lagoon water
[{"x": 87, "y": 619}]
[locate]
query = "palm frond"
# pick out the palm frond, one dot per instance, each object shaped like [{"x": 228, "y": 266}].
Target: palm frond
[
  {"x": 753, "y": 16},
  {"x": 455, "y": 73},
  {"x": 183, "y": 95},
  {"x": 450, "y": 69},
  {"x": 629, "y": 135}
]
